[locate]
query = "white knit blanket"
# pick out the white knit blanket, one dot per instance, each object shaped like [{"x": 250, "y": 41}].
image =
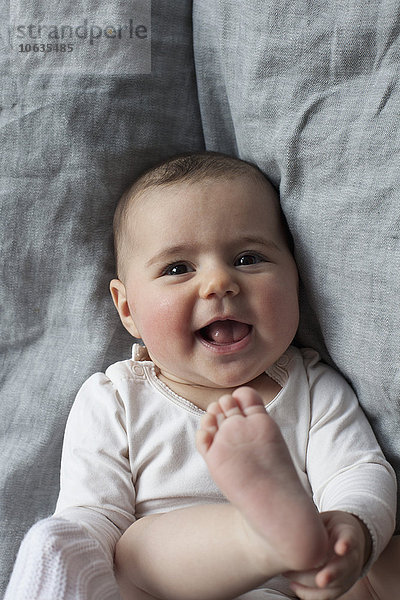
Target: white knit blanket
[{"x": 58, "y": 560}]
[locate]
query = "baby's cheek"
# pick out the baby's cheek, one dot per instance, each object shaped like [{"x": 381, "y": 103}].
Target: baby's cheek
[
  {"x": 280, "y": 306},
  {"x": 160, "y": 322}
]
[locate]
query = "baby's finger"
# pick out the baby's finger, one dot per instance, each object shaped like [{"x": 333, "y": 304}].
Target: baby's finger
[
  {"x": 338, "y": 572},
  {"x": 306, "y": 593},
  {"x": 343, "y": 532},
  {"x": 326, "y": 576},
  {"x": 306, "y": 578},
  {"x": 321, "y": 579},
  {"x": 343, "y": 546},
  {"x": 345, "y": 540}
]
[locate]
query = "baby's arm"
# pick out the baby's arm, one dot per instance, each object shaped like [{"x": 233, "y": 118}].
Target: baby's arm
[
  {"x": 354, "y": 486},
  {"x": 70, "y": 556},
  {"x": 350, "y": 548},
  {"x": 345, "y": 465}
]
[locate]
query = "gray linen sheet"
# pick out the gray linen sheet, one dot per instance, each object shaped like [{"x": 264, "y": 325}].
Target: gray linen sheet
[
  {"x": 69, "y": 146},
  {"x": 307, "y": 89},
  {"x": 310, "y": 91}
]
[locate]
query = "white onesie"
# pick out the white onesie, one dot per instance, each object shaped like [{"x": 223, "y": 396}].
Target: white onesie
[{"x": 129, "y": 450}]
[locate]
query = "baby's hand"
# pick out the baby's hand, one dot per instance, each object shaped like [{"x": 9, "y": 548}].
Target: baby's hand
[{"x": 350, "y": 544}]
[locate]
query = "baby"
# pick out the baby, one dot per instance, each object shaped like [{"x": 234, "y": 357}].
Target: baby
[
  {"x": 208, "y": 282},
  {"x": 287, "y": 494}
]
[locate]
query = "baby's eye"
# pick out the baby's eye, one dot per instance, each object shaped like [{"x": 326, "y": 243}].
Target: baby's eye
[
  {"x": 249, "y": 258},
  {"x": 177, "y": 269}
]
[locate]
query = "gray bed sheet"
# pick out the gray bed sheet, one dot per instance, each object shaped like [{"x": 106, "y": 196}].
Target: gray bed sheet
[
  {"x": 70, "y": 144},
  {"x": 310, "y": 91}
]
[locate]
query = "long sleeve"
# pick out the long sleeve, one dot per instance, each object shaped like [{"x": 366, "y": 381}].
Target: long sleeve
[
  {"x": 348, "y": 472},
  {"x": 96, "y": 487},
  {"x": 70, "y": 556}
]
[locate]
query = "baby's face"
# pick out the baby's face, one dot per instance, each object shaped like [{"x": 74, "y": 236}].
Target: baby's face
[{"x": 211, "y": 285}]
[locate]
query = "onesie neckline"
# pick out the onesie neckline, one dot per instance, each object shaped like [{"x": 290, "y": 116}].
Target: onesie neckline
[{"x": 278, "y": 372}]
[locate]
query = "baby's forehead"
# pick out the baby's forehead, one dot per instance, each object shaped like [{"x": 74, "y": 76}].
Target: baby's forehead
[
  {"x": 154, "y": 192},
  {"x": 185, "y": 200},
  {"x": 147, "y": 205}
]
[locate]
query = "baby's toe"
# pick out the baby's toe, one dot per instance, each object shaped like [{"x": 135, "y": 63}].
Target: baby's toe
[
  {"x": 205, "y": 435},
  {"x": 230, "y": 405},
  {"x": 249, "y": 400},
  {"x": 204, "y": 439},
  {"x": 209, "y": 422}
]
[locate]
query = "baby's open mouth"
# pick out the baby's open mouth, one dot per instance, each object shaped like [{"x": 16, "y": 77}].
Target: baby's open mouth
[{"x": 225, "y": 332}]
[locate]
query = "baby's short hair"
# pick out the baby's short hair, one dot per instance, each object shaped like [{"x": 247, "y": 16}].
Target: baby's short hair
[{"x": 183, "y": 168}]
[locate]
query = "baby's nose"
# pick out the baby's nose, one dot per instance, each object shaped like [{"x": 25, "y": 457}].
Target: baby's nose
[{"x": 218, "y": 282}]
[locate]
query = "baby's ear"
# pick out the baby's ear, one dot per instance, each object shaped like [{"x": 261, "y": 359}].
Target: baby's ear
[{"x": 118, "y": 294}]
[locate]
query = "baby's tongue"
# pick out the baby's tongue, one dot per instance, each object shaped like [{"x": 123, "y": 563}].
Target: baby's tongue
[{"x": 226, "y": 332}]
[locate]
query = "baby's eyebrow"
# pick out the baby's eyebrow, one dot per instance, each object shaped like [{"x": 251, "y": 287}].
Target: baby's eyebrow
[
  {"x": 169, "y": 253},
  {"x": 258, "y": 240}
]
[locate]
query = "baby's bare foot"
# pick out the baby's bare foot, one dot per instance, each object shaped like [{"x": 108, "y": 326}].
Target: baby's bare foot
[{"x": 250, "y": 462}]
